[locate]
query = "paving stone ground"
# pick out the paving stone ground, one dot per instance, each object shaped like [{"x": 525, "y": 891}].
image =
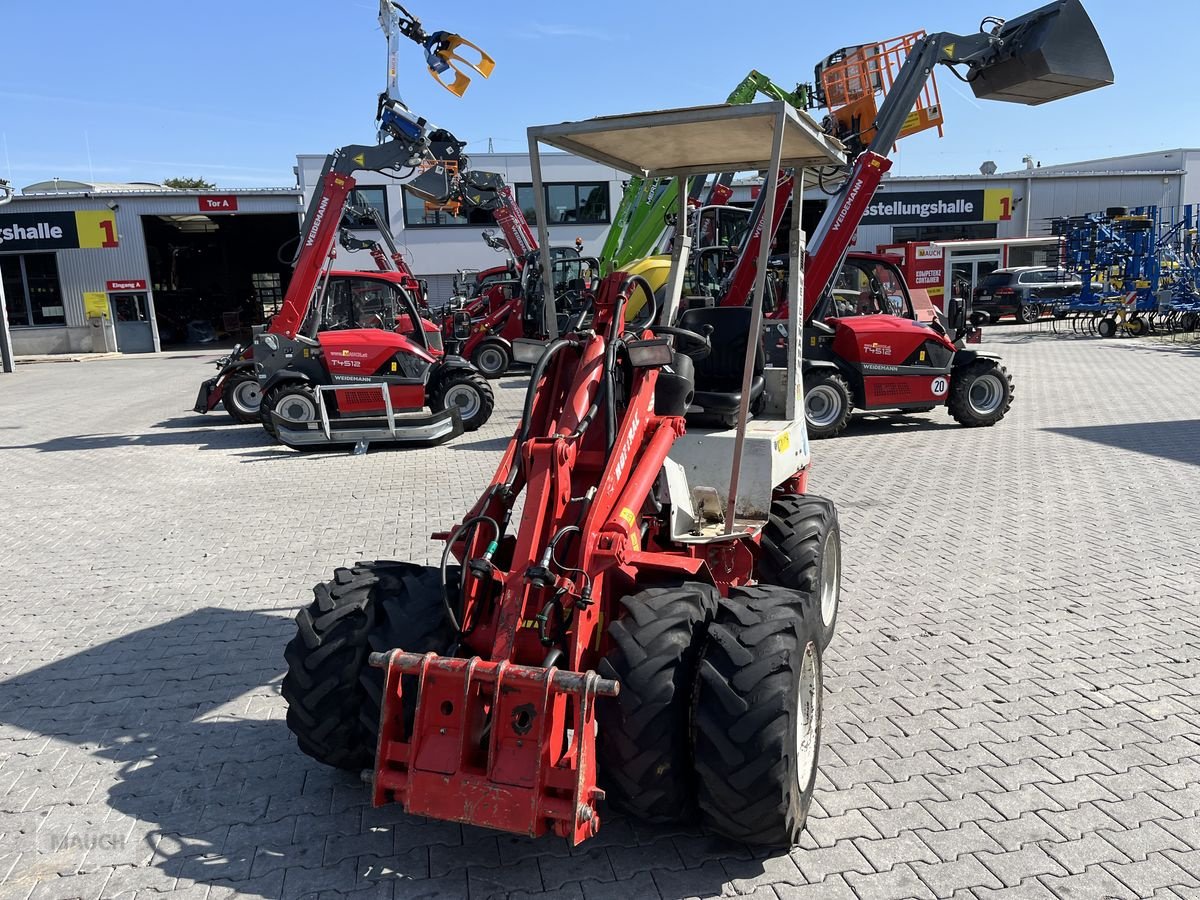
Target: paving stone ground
[{"x": 1012, "y": 698}]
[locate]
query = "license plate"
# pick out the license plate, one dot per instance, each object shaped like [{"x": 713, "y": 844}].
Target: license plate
[{"x": 985, "y": 296}]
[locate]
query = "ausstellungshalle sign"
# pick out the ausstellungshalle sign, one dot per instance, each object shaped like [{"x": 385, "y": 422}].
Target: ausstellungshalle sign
[
  {"x": 921, "y": 207},
  {"x": 57, "y": 230}
]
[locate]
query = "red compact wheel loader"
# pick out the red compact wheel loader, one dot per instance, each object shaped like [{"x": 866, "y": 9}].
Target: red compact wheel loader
[
  {"x": 636, "y": 607},
  {"x": 650, "y": 625}
]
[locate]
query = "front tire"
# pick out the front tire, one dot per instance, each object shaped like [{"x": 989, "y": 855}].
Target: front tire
[
  {"x": 1106, "y": 328},
  {"x": 294, "y": 401},
  {"x": 802, "y": 550},
  {"x": 758, "y": 717},
  {"x": 981, "y": 393},
  {"x": 333, "y": 695},
  {"x": 242, "y": 398},
  {"x": 827, "y": 404},
  {"x": 643, "y": 739},
  {"x": 492, "y": 359},
  {"x": 466, "y": 391}
]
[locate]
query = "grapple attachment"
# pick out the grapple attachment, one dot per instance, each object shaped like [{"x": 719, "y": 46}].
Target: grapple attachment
[
  {"x": 442, "y": 53},
  {"x": 1048, "y": 54},
  {"x": 491, "y": 743}
]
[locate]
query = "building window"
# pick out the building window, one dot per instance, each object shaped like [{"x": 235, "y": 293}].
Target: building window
[
  {"x": 268, "y": 293},
  {"x": 584, "y": 203},
  {"x": 416, "y": 215},
  {"x": 31, "y": 290},
  {"x": 365, "y": 198},
  {"x": 950, "y": 231}
]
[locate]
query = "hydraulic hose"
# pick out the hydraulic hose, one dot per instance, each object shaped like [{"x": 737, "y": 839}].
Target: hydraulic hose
[
  {"x": 451, "y": 615},
  {"x": 539, "y": 372}
]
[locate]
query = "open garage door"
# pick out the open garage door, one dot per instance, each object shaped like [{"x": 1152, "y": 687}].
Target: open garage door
[{"x": 216, "y": 276}]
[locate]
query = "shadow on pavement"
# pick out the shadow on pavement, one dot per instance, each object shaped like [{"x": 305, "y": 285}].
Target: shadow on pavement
[
  {"x": 207, "y": 786},
  {"x": 206, "y": 439},
  {"x": 1178, "y": 441},
  {"x": 488, "y": 445},
  {"x": 869, "y": 425}
]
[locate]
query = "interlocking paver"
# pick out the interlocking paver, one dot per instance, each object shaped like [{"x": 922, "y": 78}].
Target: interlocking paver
[{"x": 1012, "y": 695}]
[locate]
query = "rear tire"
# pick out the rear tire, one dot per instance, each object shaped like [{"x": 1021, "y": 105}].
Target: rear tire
[
  {"x": 981, "y": 393},
  {"x": 242, "y": 398},
  {"x": 1138, "y": 327},
  {"x": 802, "y": 550},
  {"x": 1106, "y": 328},
  {"x": 333, "y": 695},
  {"x": 1028, "y": 313},
  {"x": 758, "y": 717},
  {"x": 827, "y": 403},
  {"x": 643, "y": 743},
  {"x": 296, "y": 402},
  {"x": 492, "y": 359},
  {"x": 469, "y": 392}
]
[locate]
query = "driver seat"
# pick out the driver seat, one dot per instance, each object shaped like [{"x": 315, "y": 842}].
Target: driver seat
[{"x": 719, "y": 375}]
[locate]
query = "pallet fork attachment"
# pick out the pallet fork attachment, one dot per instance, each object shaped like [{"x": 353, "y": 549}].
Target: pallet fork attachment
[{"x": 482, "y": 745}]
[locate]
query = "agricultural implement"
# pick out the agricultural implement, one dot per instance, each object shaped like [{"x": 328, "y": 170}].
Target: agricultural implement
[
  {"x": 649, "y": 626},
  {"x": 1139, "y": 272}
]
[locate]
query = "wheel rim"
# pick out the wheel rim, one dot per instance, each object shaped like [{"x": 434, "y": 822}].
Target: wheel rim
[
  {"x": 822, "y": 406},
  {"x": 986, "y": 394},
  {"x": 490, "y": 360},
  {"x": 297, "y": 408},
  {"x": 831, "y": 578},
  {"x": 1029, "y": 314},
  {"x": 246, "y": 395},
  {"x": 464, "y": 398},
  {"x": 808, "y": 717}
]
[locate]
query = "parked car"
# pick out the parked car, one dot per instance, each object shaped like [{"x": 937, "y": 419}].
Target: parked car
[{"x": 1024, "y": 292}]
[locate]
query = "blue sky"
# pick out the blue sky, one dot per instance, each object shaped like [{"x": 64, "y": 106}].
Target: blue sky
[{"x": 232, "y": 90}]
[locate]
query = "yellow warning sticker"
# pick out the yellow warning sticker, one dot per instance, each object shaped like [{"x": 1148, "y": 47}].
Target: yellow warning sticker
[
  {"x": 783, "y": 442},
  {"x": 627, "y": 515}
]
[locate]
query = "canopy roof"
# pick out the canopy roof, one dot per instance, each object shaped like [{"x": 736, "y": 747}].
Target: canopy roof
[{"x": 696, "y": 140}]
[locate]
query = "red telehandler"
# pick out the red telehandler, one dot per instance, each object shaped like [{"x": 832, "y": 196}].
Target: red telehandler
[
  {"x": 236, "y": 385},
  {"x": 873, "y": 360},
  {"x": 323, "y": 384},
  {"x": 636, "y": 607}
]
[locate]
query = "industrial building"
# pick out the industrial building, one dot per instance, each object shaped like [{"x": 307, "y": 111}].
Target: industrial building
[
  {"x": 163, "y": 262},
  {"x": 90, "y": 267}
]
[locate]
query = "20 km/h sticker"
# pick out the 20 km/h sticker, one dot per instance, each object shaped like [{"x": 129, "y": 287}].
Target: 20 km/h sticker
[{"x": 939, "y": 387}]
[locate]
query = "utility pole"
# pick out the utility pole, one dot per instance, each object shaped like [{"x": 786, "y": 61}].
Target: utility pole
[{"x": 7, "y": 363}]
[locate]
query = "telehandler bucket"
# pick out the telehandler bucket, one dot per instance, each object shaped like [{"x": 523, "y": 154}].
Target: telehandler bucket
[{"x": 1048, "y": 54}]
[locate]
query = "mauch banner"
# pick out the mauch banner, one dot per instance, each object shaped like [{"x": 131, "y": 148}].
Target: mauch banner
[{"x": 57, "y": 230}]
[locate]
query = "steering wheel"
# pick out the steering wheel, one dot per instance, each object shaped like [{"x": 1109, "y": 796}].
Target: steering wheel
[{"x": 691, "y": 344}]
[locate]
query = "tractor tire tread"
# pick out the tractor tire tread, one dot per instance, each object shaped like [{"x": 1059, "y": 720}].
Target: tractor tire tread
[
  {"x": 744, "y": 741},
  {"x": 643, "y": 748}
]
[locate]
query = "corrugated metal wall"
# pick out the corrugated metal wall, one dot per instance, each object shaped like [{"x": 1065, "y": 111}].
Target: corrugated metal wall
[{"x": 88, "y": 269}]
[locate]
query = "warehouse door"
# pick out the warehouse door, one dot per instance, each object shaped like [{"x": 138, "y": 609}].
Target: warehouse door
[{"x": 134, "y": 334}]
